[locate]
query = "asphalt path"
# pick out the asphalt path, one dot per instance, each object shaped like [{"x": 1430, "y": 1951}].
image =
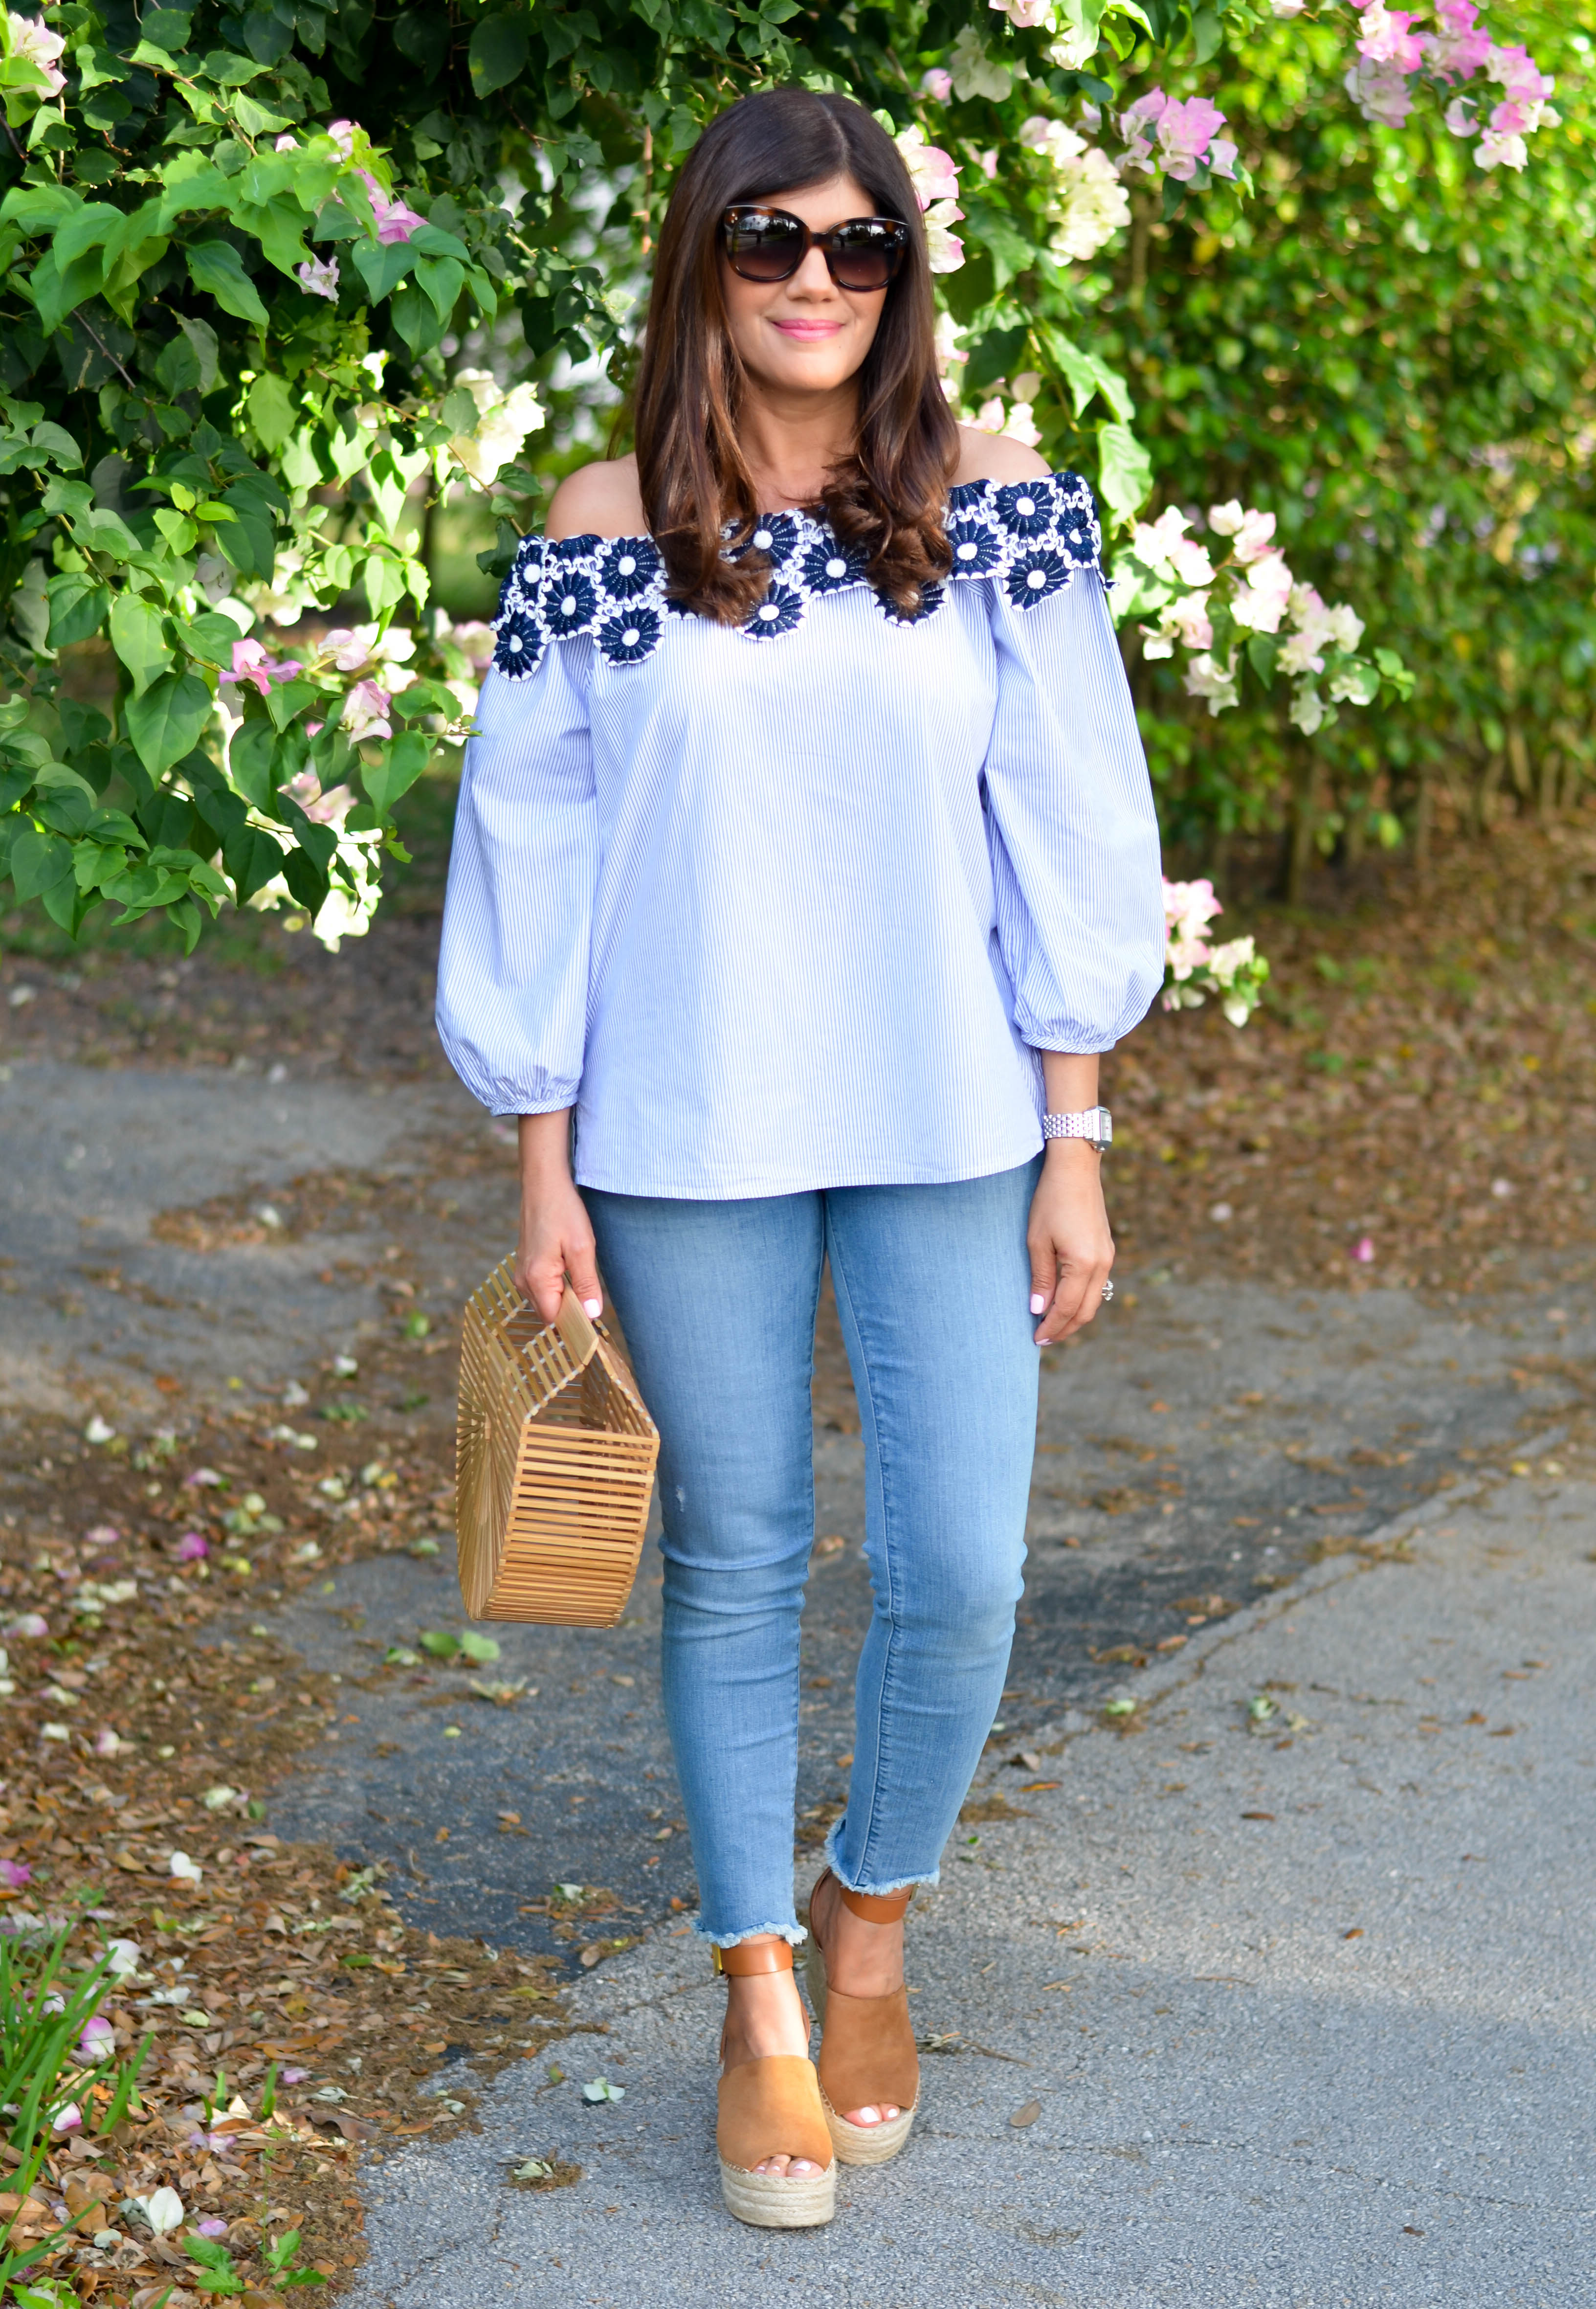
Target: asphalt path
[{"x": 1291, "y": 1991}]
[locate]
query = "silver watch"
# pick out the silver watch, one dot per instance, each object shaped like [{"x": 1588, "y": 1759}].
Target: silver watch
[{"x": 1095, "y": 1124}]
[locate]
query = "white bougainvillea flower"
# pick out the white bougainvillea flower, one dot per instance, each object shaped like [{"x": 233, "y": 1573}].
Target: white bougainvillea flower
[
  {"x": 1308, "y": 709},
  {"x": 1260, "y": 603},
  {"x": 945, "y": 250},
  {"x": 1252, "y": 531},
  {"x": 107, "y": 1742},
  {"x": 1024, "y": 15},
  {"x": 163, "y": 2210},
  {"x": 29, "y": 1623},
  {"x": 318, "y": 277},
  {"x": 503, "y": 423},
  {"x": 975, "y": 71},
  {"x": 1164, "y": 549},
  {"x": 98, "y": 1432},
  {"x": 185, "y": 1871},
  {"x": 1214, "y": 683},
  {"x": 123, "y": 1957}
]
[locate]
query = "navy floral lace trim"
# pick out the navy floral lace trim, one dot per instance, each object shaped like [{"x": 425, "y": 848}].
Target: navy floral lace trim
[{"x": 1030, "y": 537}]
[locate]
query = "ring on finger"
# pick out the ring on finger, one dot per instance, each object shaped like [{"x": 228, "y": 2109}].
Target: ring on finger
[{"x": 1108, "y": 1290}]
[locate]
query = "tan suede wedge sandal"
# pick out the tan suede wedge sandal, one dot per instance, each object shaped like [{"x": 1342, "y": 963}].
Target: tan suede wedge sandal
[
  {"x": 868, "y": 2057},
  {"x": 771, "y": 2107}
]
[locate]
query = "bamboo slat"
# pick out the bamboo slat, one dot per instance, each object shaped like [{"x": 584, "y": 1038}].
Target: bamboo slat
[{"x": 554, "y": 1463}]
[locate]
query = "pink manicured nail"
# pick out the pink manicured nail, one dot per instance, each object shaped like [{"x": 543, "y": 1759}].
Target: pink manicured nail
[
  {"x": 594, "y": 1306},
  {"x": 1037, "y": 1303}
]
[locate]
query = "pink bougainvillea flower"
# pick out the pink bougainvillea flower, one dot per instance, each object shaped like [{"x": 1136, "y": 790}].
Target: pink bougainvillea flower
[
  {"x": 1363, "y": 1251},
  {"x": 318, "y": 277},
  {"x": 29, "y": 1623},
  {"x": 15, "y": 1873},
  {"x": 107, "y": 1742},
  {"x": 1388, "y": 39},
  {"x": 251, "y": 663},
  {"x": 202, "y": 1477},
  {"x": 394, "y": 221},
  {"x": 350, "y": 646},
  {"x": 343, "y": 134},
  {"x": 365, "y": 711},
  {"x": 211, "y": 2226},
  {"x": 934, "y": 173},
  {"x": 1462, "y": 46},
  {"x": 330, "y": 808},
  {"x": 192, "y": 1547},
  {"x": 295, "y": 2076},
  {"x": 103, "y": 1535},
  {"x": 97, "y": 2041},
  {"x": 1519, "y": 74},
  {"x": 70, "y": 2119},
  {"x": 1185, "y": 132},
  {"x": 937, "y": 84},
  {"x": 32, "y": 39}
]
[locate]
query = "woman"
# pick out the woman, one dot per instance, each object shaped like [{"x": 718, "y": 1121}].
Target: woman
[{"x": 805, "y": 860}]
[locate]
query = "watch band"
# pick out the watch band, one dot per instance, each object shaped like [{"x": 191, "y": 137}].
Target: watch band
[{"x": 1095, "y": 1124}]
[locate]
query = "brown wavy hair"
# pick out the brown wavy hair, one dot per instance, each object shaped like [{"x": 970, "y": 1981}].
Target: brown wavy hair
[{"x": 888, "y": 496}]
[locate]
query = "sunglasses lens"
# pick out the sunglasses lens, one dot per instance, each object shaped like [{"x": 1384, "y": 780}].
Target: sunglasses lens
[
  {"x": 763, "y": 247},
  {"x": 866, "y": 255}
]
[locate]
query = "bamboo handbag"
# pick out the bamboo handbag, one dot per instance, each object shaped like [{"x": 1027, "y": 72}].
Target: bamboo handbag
[{"x": 555, "y": 1458}]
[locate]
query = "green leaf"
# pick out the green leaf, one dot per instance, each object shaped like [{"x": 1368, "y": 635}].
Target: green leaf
[
  {"x": 271, "y": 411},
  {"x": 138, "y": 638},
  {"x": 478, "y": 1647},
  {"x": 250, "y": 760},
  {"x": 439, "y": 1643},
  {"x": 1125, "y": 470},
  {"x": 497, "y": 53},
  {"x": 442, "y": 277},
  {"x": 165, "y": 723},
  {"x": 58, "y": 442},
  {"x": 38, "y": 863},
  {"x": 201, "y": 336},
  {"x": 252, "y": 859},
  {"x": 1262, "y": 650},
  {"x": 402, "y": 764},
  {"x": 215, "y": 266},
  {"x": 209, "y": 636},
  {"x": 382, "y": 268},
  {"x": 167, "y": 28},
  {"x": 78, "y": 605}
]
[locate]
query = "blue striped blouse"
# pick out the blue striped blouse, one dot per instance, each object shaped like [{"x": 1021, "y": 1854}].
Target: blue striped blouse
[{"x": 795, "y": 906}]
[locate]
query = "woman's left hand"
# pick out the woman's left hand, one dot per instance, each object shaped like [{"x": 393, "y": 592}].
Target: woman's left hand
[{"x": 1070, "y": 1247}]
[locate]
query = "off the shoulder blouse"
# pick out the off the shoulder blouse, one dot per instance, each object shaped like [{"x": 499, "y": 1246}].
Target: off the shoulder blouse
[{"x": 795, "y": 905}]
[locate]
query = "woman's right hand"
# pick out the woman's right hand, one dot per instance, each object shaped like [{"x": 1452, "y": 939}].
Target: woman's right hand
[{"x": 557, "y": 1239}]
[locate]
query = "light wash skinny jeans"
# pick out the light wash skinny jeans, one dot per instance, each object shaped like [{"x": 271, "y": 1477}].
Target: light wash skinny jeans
[{"x": 718, "y": 1301}]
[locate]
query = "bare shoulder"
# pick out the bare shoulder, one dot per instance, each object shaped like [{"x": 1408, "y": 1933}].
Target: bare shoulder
[
  {"x": 599, "y": 500},
  {"x": 989, "y": 457}
]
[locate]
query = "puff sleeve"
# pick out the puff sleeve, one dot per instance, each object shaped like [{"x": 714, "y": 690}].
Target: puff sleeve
[
  {"x": 1071, "y": 826},
  {"x": 512, "y": 968}
]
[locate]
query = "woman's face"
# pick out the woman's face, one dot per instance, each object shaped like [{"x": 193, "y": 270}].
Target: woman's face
[{"x": 804, "y": 334}]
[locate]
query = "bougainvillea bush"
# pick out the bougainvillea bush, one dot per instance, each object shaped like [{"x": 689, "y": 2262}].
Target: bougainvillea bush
[{"x": 278, "y": 278}]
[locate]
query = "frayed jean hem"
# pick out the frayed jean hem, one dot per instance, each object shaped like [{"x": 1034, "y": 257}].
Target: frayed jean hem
[
  {"x": 791, "y": 1933},
  {"x": 876, "y": 1891}
]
